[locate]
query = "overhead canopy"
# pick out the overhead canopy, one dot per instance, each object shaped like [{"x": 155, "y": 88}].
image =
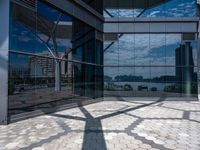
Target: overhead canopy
[{"x": 133, "y": 4}]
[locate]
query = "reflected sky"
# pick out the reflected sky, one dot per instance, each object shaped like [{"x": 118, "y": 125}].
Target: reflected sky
[
  {"x": 144, "y": 50},
  {"x": 141, "y": 47},
  {"x": 172, "y": 8},
  {"x": 25, "y": 38}
]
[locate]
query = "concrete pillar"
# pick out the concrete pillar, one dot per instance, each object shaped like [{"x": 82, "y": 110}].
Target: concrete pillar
[{"x": 4, "y": 47}]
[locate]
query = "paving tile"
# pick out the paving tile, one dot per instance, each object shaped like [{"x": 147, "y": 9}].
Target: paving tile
[{"x": 103, "y": 125}]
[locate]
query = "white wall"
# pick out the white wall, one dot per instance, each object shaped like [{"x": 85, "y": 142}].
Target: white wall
[{"x": 4, "y": 46}]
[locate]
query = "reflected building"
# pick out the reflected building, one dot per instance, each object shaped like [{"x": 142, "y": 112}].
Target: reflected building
[
  {"x": 184, "y": 63},
  {"x": 185, "y": 67},
  {"x": 42, "y": 67}
]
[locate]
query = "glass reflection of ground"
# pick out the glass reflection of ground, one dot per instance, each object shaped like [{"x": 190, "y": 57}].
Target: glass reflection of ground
[{"x": 43, "y": 99}]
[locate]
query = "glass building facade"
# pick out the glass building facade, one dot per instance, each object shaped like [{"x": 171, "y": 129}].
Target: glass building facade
[
  {"x": 57, "y": 57},
  {"x": 40, "y": 38},
  {"x": 150, "y": 65}
]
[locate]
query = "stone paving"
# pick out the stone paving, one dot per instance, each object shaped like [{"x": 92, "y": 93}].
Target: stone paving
[{"x": 115, "y": 123}]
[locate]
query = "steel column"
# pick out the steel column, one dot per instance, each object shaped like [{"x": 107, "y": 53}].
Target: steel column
[{"x": 4, "y": 47}]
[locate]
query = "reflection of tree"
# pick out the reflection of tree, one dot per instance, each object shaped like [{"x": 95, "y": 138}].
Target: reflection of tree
[{"x": 107, "y": 78}]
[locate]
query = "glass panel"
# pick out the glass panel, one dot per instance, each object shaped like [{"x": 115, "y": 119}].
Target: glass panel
[
  {"x": 157, "y": 50},
  {"x": 150, "y": 8},
  {"x": 97, "y": 5},
  {"x": 125, "y": 81},
  {"x": 173, "y": 82},
  {"x": 111, "y": 53},
  {"x": 194, "y": 52},
  {"x": 142, "y": 81},
  {"x": 21, "y": 85},
  {"x": 110, "y": 81},
  {"x": 189, "y": 8},
  {"x": 141, "y": 49},
  {"x": 79, "y": 80},
  {"x": 173, "y": 42},
  {"x": 126, "y": 49},
  {"x": 22, "y": 35},
  {"x": 158, "y": 81},
  {"x": 189, "y": 81},
  {"x": 50, "y": 33},
  {"x": 154, "y": 9},
  {"x": 98, "y": 81}
]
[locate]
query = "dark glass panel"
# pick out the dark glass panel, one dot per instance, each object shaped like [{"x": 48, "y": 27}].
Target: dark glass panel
[
  {"x": 99, "y": 82},
  {"x": 95, "y": 4},
  {"x": 99, "y": 52},
  {"x": 22, "y": 29},
  {"x": 79, "y": 79},
  {"x": 32, "y": 79},
  {"x": 21, "y": 85},
  {"x": 89, "y": 55},
  {"x": 90, "y": 81},
  {"x": 110, "y": 81},
  {"x": 54, "y": 30}
]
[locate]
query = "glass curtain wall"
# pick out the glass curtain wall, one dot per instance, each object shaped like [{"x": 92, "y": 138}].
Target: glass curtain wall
[
  {"x": 95, "y": 4},
  {"x": 150, "y": 65},
  {"x": 149, "y": 8},
  {"x": 162, "y": 64},
  {"x": 39, "y": 34}
]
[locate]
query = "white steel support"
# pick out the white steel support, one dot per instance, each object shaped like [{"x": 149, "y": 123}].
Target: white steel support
[{"x": 4, "y": 47}]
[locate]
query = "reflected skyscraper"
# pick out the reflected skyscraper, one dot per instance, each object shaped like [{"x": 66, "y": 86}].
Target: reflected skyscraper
[{"x": 185, "y": 66}]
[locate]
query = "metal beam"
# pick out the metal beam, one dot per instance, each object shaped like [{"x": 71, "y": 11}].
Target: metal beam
[{"x": 151, "y": 25}]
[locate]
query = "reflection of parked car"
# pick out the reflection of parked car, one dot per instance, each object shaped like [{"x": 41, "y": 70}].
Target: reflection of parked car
[
  {"x": 154, "y": 89},
  {"x": 128, "y": 87},
  {"x": 19, "y": 89},
  {"x": 142, "y": 87}
]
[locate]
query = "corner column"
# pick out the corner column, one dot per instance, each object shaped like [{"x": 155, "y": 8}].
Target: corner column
[
  {"x": 4, "y": 47},
  {"x": 198, "y": 70}
]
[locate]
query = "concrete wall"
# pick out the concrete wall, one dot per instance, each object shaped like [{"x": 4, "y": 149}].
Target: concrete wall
[{"x": 4, "y": 46}]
